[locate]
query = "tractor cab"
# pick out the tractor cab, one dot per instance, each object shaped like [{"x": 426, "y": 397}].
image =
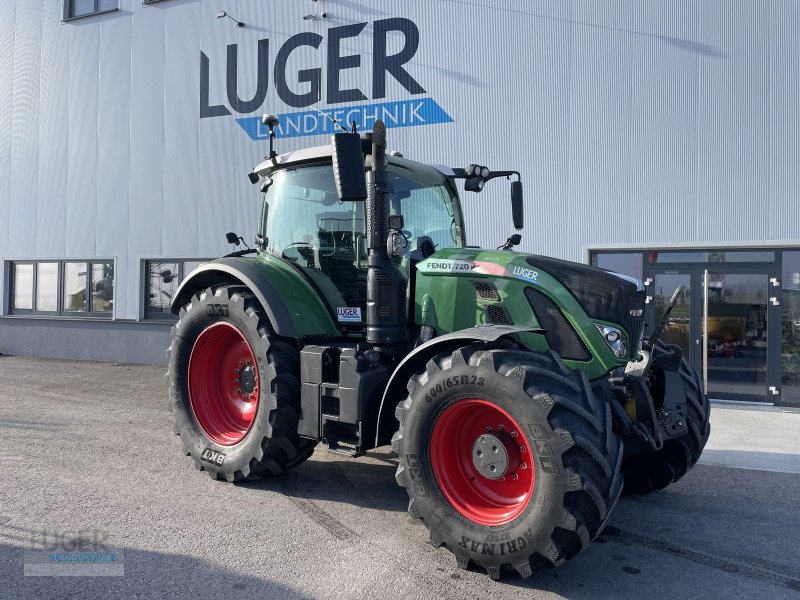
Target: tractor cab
[{"x": 303, "y": 221}]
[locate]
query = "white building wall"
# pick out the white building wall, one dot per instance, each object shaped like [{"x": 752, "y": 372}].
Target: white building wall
[{"x": 632, "y": 123}]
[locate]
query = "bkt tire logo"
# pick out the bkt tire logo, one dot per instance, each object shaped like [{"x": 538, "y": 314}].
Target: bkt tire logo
[
  {"x": 212, "y": 457},
  {"x": 402, "y": 113}
]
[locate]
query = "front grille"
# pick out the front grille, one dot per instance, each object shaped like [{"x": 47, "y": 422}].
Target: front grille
[
  {"x": 634, "y": 325},
  {"x": 602, "y": 294},
  {"x": 486, "y": 291},
  {"x": 497, "y": 315},
  {"x": 560, "y": 335}
]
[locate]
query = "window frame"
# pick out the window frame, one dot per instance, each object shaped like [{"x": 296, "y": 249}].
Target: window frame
[
  {"x": 68, "y": 5},
  {"x": 59, "y": 313},
  {"x": 144, "y": 284}
]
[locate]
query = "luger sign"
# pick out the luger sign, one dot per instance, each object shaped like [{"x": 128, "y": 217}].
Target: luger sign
[
  {"x": 308, "y": 91},
  {"x": 311, "y": 79}
]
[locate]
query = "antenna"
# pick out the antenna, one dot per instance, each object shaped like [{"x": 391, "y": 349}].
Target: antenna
[
  {"x": 330, "y": 118},
  {"x": 271, "y": 121}
]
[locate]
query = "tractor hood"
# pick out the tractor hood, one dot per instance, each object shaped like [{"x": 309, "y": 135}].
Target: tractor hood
[
  {"x": 600, "y": 295},
  {"x": 525, "y": 267}
]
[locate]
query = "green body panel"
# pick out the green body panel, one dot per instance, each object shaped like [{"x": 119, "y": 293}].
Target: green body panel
[
  {"x": 310, "y": 315},
  {"x": 444, "y": 283}
]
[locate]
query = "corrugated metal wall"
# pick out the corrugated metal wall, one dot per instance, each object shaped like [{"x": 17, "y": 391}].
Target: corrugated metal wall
[{"x": 633, "y": 123}]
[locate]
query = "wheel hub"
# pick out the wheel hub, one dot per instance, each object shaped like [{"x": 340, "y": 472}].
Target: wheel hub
[
  {"x": 247, "y": 379},
  {"x": 493, "y": 455}
]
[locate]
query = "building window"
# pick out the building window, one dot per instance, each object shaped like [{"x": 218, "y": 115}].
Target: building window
[
  {"x": 75, "y": 9},
  {"x": 162, "y": 279},
  {"x": 710, "y": 256},
  {"x": 22, "y": 284},
  {"x": 62, "y": 287}
]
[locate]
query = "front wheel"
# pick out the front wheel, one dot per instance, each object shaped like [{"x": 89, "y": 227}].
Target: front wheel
[{"x": 508, "y": 458}]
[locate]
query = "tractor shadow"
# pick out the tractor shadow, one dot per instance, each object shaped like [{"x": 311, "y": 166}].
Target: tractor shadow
[{"x": 367, "y": 482}]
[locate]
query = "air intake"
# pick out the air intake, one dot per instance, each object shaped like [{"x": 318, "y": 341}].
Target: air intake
[
  {"x": 497, "y": 315},
  {"x": 486, "y": 291}
]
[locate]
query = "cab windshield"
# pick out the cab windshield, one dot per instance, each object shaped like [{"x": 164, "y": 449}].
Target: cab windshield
[{"x": 303, "y": 220}]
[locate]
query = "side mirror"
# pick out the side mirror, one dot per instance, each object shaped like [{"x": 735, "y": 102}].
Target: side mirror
[
  {"x": 232, "y": 238},
  {"x": 348, "y": 166},
  {"x": 517, "y": 208}
]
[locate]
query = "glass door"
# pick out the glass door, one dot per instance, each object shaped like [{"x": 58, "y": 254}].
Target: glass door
[
  {"x": 735, "y": 322},
  {"x": 723, "y": 322},
  {"x": 789, "y": 328}
]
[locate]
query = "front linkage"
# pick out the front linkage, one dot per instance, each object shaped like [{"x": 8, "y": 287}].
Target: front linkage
[{"x": 661, "y": 412}]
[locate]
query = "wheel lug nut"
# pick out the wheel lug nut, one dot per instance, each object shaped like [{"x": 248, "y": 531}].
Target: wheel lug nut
[
  {"x": 235, "y": 381},
  {"x": 522, "y": 449},
  {"x": 513, "y": 434},
  {"x": 488, "y": 429},
  {"x": 236, "y": 370},
  {"x": 514, "y": 476},
  {"x": 523, "y": 465},
  {"x": 501, "y": 427}
]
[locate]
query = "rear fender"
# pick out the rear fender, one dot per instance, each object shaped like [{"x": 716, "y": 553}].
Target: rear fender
[
  {"x": 306, "y": 314},
  {"x": 416, "y": 360}
]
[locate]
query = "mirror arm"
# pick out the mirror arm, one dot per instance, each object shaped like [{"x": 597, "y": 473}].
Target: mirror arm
[
  {"x": 506, "y": 174},
  {"x": 462, "y": 174}
]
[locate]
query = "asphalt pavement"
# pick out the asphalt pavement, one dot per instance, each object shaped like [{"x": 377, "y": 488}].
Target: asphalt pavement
[{"x": 87, "y": 452}]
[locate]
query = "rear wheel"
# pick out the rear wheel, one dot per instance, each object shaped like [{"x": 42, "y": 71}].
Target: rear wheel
[
  {"x": 652, "y": 471},
  {"x": 234, "y": 388},
  {"x": 508, "y": 458}
]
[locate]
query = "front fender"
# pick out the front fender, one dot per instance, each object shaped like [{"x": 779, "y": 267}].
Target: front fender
[
  {"x": 418, "y": 358},
  {"x": 292, "y": 305}
]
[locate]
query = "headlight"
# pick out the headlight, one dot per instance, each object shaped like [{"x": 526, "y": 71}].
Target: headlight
[{"x": 614, "y": 339}]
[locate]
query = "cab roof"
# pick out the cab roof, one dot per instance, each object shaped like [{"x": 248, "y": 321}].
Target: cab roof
[{"x": 323, "y": 154}]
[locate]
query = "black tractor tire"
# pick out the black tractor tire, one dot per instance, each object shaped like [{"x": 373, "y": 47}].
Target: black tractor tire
[
  {"x": 271, "y": 443},
  {"x": 653, "y": 471},
  {"x": 576, "y": 457}
]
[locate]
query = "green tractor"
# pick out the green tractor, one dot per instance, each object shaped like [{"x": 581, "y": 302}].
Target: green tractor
[{"x": 518, "y": 391}]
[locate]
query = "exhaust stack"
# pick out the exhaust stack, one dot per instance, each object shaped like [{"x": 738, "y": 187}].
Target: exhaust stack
[{"x": 386, "y": 287}]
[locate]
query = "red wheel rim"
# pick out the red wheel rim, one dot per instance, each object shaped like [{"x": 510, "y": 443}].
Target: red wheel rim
[
  {"x": 223, "y": 384},
  {"x": 460, "y": 433}
]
